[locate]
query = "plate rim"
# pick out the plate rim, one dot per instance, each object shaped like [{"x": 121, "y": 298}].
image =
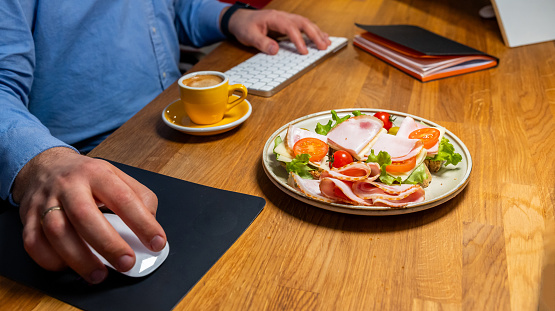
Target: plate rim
[
  {"x": 368, "y": 210},
  {"x": 210, "y": 129}
]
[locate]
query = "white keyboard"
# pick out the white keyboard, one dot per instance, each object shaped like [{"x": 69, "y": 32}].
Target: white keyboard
[{"x": 265, "y": 75}]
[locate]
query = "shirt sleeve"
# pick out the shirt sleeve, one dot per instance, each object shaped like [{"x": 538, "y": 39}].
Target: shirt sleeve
[
  {"x": 22, "y": 135},
  {"x": 198, "y": 21}
]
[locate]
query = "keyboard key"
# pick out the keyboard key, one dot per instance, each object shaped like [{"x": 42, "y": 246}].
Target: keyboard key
[{"x": 265, "y": 75}]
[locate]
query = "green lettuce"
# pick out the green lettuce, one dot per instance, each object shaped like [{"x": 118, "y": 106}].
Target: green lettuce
[
  {"x": 446, "y": 152},
  {"x": 300, "y": 166},
  {"x": 417, "y": 176},
  {"x": 384, "y": 159},
  {"x": 277, "y": 142}
]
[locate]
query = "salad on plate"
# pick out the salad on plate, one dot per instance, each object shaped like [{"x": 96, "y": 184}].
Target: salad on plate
[{"x": 363, "y": 159}]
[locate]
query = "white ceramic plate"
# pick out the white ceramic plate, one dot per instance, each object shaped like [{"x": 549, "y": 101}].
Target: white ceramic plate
[{"x": 445, "y": 185}]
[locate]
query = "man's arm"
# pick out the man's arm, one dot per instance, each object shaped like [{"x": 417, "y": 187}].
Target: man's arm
[
  {"x": 198, "y": 24},
  {"x": 41, "y": 172}
]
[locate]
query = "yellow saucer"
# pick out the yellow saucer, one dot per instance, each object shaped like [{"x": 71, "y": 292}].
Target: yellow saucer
[{"x": 175, "y": 117}]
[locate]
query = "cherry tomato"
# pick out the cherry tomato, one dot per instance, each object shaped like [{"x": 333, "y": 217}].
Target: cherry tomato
[
  {"x": 386, "y": 118},
  {"x": 401, "y": 166},
  {"x": 341, "y": 158},
  {"x": 314, "y": 147},
  {"x": 429, "y": 136}
]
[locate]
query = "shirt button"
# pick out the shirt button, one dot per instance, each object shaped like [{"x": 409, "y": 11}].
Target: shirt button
[
  {"x": 164, "y": 75},
  {"x": 154, "y": 29}
]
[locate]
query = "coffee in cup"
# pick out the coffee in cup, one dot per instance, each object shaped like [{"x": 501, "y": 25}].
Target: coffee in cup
[
  {"x": 203, "y": 80},
  {"x": 206, "y": 96}
]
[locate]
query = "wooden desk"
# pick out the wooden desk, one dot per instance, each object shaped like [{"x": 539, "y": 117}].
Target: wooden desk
[{"x": 480, "y": 251}]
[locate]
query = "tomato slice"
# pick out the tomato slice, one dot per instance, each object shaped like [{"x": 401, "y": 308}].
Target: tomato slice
[
  {"x": 429, "y": 136},
  {"x": 401, "y": 166},
  {"x": 314, "y": 147}
]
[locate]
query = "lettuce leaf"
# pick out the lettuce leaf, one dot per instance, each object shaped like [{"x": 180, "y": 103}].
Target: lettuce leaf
[
  {"x": 277, "y": 142},
  {"x": 300, "y": 166},
  {"x": 383, "y": 159},
  {"x": 417, "y": 176},
  {"x": 446, "y": 152},
  {"x": 325, "y": 129}
]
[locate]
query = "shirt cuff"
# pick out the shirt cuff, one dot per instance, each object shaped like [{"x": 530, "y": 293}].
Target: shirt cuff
[
  {"x": 209, "y": 14},
  {"x": 22, "y": 145}
]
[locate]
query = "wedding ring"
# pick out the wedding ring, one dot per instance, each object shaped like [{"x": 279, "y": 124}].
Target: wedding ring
[{"x": 53, "y": 208}]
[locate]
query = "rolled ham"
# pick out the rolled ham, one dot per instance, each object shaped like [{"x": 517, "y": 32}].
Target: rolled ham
[
  {"x": 415, "y": 197},
  {"x": 310, "y": 188},
  {"x": 369, "y": 190},
  {"x": 339, "y": 190},
  {"x": 354, "y": 171}
]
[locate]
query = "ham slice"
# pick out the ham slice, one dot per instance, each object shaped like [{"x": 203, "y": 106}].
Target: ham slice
[
  {"x": 399, "y": 148},
  {"x": 415, "y": 197},
  {"x": 409, "y": 125},
  {"x": 294, "y": 134},
  {"x": 368, "y": 190},
  {"x": 331, "y": 186},
  {"x": 354, "y": 134},
  {"x": 310, "y": 188},
  {"x": 354, "y": 171}
]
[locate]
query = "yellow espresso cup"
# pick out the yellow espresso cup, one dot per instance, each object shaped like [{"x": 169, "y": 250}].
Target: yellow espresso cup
[{"x": 207, "y": 96}]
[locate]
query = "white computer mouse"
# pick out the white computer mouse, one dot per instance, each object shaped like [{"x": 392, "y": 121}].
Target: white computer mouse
[{"x": 146, "y": 260}]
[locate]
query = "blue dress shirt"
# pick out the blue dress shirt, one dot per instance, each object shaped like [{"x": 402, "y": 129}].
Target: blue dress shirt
[{"x": 73, "y": 71}]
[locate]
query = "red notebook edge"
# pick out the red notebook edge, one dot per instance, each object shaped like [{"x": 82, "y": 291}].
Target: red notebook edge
[{"x": 399, "y": 49}]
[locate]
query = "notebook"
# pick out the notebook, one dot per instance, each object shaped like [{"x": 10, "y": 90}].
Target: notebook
[
  {"x": 201, "y": 224},
  {"x": 420, "y": 53}
]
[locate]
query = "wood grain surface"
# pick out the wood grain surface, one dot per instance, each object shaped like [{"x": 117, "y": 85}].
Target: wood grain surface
[{"x": 482, "y": 250}]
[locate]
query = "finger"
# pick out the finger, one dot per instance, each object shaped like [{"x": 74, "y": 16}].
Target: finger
[
  {"x": 38, "y": 247},
  {"x": 317, "y": 36},
  {"x": 146, "y": 195},
  {"x": 297, "y": 38},
  {"x": 89, "y": 223},
  {"x": 119, "y": 197},
  {"x": 69, "y": 245},
  {"x": 265, "y": 44},
  {"x": 292, "y": 31}
]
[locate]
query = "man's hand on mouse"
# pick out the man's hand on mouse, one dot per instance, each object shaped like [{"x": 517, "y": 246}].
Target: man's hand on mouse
[
  {"x": 58, "y": 192},
  {"x": 251, "y": 28}
]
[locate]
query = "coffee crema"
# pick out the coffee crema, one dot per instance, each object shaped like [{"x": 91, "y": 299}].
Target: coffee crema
[{"x": 202, "y": 81}]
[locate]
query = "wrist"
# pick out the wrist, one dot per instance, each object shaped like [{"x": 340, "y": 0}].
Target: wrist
[
  {"x": 226, "y": 17},
  {"x": 30, "y": 169}
]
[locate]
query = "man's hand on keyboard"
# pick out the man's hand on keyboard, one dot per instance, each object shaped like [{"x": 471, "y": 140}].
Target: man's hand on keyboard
[{"x": 251, "y": 28}]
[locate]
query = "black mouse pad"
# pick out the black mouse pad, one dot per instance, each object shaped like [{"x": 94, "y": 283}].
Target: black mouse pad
[{"x": 201, "y": 223}]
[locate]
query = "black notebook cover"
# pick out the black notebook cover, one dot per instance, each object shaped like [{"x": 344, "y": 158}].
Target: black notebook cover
[
  {"x": 201, "y": 223},
  {"x": 421, "y": 40}
]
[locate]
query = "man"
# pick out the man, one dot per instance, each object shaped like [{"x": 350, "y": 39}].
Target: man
[{"x": 70, "y": 74}]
